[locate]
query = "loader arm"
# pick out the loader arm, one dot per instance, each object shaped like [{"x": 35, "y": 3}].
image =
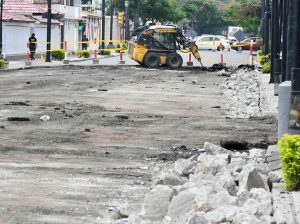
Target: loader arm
[
  {"x": 195, "y": 52},
  {"x": 188, "y": 44}
]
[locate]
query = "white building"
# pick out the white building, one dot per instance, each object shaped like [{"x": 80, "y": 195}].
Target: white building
[
  {"x": 75, "y": 20},
  {"x": 18, "y": 25},
  {"x": 71, "y": 9}
]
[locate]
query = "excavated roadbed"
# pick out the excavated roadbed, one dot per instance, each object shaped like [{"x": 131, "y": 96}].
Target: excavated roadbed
[{"x": 78, "y": 143}]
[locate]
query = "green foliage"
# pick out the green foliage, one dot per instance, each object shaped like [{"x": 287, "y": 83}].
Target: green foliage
[
  {"x": 124, "y": 47},
  {"x": 289, "y": 148},
  {"x": 2, "y": 63},
  {"x": 58, "y": 55},
  {"x": 208, "y": 17},
  {"x": 162, "y": 10},
  {"x": 244, "y": 13},
  {"x": 205, "y": 16},
  {"x": 260, "y": 53},
  {"x": 104, "y": 52},
  {"x": 265, "y": 61},
  {"x": 85, "y": 54},
  {"x": 266, "y": 67}
]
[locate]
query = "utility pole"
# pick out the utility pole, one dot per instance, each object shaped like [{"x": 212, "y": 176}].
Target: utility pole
[
  {"x": 291, "y": 41},
  {"x": 1, "y": 18},
  {"x": 111, "y": 45},
  {"x": 127, "y": 34},
  {"x": 267, "y": 27},
  {"x": 274, "y": 47},
  {"x": 295, "y": 69},
  {"x": 284, "y": 39},
  {"x": 295, "y": 62},
  {"x": 49, "y": 15},
  {"x": 262, "y": 22},
  {"x": 137, "y": 17},
  {"x": 103, "y": 24}
]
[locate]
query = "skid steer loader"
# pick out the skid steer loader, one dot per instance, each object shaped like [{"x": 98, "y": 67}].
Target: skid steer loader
[{"x": 158, "y": 45}]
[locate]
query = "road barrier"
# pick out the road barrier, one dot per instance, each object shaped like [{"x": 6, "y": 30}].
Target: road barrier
[
  {"x": 221, "y": 54},
  {"x": 67, "y": 48},
  {"x": 121, "y": 52},
  {"x": 28, "y": 55},
  {"x": 251, "y": 53},
  {"x": 94, "y": 51},
  {"x": 190, "y": 63}
]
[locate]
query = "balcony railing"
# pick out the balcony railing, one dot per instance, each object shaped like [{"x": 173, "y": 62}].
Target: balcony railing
[{"x": 60, "y": 2}]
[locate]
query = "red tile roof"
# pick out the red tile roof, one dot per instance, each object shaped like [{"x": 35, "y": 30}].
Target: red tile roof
[
  {"x": 16, "y": 17},
  {"x": 15, "y": 10},
  {"x": 23, "y": 7}
]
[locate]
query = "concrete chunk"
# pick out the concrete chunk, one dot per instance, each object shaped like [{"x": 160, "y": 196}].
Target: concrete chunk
[
  {"x": 156, "y": 203},
  {"x": 250, "y": 178}
]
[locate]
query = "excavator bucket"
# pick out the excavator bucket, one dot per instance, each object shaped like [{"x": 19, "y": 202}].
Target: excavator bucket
[{"x": 195, "y": 51}]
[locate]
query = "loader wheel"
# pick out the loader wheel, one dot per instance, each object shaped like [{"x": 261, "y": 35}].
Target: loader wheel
[
  {"x": 151, "y": 60},
  {"x": 174, "y": 61}
]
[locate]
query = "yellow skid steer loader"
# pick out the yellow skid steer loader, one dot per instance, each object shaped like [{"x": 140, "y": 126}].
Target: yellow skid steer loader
[{"x": 158, "y": 45}]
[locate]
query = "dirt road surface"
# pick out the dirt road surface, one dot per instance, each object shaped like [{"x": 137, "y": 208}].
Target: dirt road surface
[{"x": 108, "y": 128}]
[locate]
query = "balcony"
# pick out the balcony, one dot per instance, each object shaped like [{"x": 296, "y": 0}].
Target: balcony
[{"x": 59, "y": 2}]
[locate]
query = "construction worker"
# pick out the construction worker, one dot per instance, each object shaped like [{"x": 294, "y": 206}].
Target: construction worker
[
  {"x": 84, "y": 44},
  {"x": 32, "y": 46}
]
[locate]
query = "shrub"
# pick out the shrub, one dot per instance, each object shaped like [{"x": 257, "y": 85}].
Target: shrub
[
  {"x": 260, "y": 53},
  {"x": 266, "y": 67},
  {"x": 124, "y": 47},
  {"x": 104, "y": 52},
  {"x": 263, "y": 58},
  {"x": 289, "y": 148},
  {"x": 2, "y": 63},
  {"x": 85, "y": 54},
  {"x": 58, "y": 55}
]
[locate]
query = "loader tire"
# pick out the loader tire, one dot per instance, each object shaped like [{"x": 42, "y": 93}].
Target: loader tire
[
  {"x": 174, "y": 61},
  {"x": 151, "y": 60}
]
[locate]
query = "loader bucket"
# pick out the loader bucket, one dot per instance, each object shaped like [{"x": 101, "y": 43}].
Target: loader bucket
[{"x": 195, "y": 52}]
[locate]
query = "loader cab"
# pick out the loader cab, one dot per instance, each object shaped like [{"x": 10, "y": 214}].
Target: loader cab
[{"x": 158, "y": 39}]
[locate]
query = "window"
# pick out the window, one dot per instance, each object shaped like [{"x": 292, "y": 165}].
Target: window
[
  {"x": 70, "y": 2},
  {"x": 164, "y": 37},
  {"x": 167, "y": 39},
  {"x": 205, "y": 39}
]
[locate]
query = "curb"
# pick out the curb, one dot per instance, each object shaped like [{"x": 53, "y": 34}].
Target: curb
[{"x": 57, "y": 65}]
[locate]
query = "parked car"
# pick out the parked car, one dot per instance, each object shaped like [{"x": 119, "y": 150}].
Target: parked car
[
  {"x": 232, "y": 39},
  {"x": 211, "y": 42},
  {"x": 245, "y": 44}
]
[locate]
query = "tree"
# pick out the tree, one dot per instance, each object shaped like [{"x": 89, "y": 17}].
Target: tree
[
  {"x": 162, "y": 10},
  {"x": 205, "y": 16},
  {"x": 244, "y": 13}
]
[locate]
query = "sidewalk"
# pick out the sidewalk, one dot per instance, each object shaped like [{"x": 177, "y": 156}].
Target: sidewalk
[
  {"x": 286, "y": 205},
  {"x": 20, "y": 64}
]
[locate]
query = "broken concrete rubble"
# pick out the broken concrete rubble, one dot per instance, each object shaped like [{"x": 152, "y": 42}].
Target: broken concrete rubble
[
  {"x": 241, "y": 92},
  {"x": 170, "y": 178},
  {"x": 156, "y": 203},
  {"x": 184, "y": 166},
  {"x": 214, "y": 149},
  {"x": 250, "y": 178},
  {"x": 220, "y": 187}
]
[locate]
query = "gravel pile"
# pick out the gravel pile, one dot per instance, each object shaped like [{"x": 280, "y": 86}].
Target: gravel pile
[
  {"x": 215, "y": 186},
  {"x": 241, "y": 94}
]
